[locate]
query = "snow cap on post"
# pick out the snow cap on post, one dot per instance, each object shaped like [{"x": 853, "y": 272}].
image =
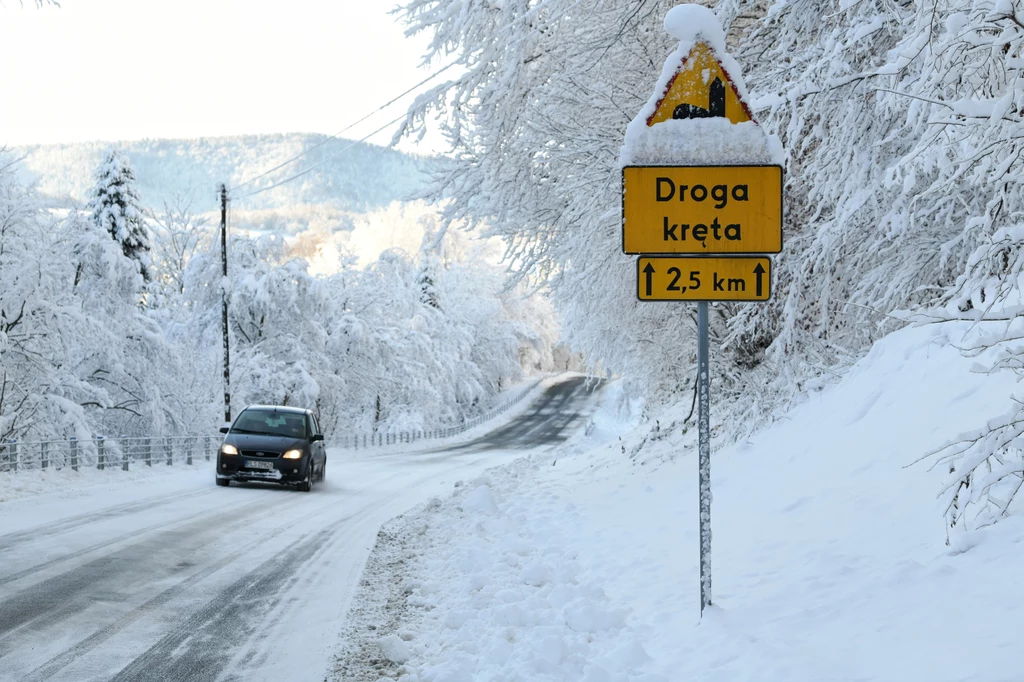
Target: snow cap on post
[
  {"x": 697, "y": 113},
  {"x": 690, "y": 23}
]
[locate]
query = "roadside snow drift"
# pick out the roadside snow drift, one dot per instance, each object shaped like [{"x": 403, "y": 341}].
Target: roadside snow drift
[{"x": 829, "y": 562}]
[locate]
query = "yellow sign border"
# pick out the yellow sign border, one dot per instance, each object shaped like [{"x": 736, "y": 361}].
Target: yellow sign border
[
  {"x": 782, "y": 211},
  {"x": 693, "y": 259}
]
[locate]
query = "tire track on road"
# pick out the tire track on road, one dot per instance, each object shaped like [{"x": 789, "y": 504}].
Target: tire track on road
[
  {"x": 55, "y": 599},
  {"x": 107, "y": 543},
  {"x": 49, "y": 529},
  {"x": 61, "y": 661},
  {"x": 287, "y": 503},
  {"x": 204, "y": 647},
  {"x": 201, "y": 649},
  {"x": 544, "y": 424}
]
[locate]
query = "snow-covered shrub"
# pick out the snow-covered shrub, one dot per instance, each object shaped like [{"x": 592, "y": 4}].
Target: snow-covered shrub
[
  {"x": 985, "y": 466},
  {"x": 969, "y": 94},
  {"x": 986, "y": 472}
]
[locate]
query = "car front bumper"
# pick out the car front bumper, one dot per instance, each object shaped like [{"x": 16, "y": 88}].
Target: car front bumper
[{"x": 285, "y": 471}]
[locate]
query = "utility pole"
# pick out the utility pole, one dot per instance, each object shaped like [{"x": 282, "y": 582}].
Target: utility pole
[{"x": 224, "y": 299}]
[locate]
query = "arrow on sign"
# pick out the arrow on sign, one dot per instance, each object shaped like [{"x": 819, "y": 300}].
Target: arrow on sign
[
  {"x": 649, "y": 271},
  {"x": 759, "y": 271}
]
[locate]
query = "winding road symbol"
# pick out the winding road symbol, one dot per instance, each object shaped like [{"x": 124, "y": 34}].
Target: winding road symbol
[{"x": 716, "y": 104}]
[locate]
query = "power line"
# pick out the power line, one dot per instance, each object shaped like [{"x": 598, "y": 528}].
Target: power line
[
  {"x": 323, "y": 161},
  {"x": 343, "y": 130},
  {"x": 510, "y": 27}
]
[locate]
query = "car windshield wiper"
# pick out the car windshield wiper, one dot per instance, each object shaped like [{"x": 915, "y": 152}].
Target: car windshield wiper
[{"x": 254, "y": 433}]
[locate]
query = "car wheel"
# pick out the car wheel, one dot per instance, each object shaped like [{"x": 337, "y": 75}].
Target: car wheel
[
  {"x": 224, "y": 482},
  {"x": 307, "y": 485},
  {"x": 323, "y": 473}
]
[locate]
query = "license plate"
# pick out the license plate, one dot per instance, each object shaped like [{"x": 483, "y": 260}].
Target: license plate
[{"x": 252, "y": 464}]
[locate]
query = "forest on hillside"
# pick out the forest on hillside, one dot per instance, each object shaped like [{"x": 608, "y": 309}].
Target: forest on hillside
[{"x": 343, "y": 176}]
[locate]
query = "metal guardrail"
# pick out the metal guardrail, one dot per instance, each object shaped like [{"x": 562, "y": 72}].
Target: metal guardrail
[
  {"x": 361, "y": 441},
  {"x": 102, "y": 452},
  {"x": 373, "y": 440}
]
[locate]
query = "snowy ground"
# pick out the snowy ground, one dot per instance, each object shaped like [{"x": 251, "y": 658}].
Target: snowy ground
[{"x": 829, "y": 558}]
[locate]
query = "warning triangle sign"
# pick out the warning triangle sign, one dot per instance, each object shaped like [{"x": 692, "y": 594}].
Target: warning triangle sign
[{"x": 700, "y": 88}]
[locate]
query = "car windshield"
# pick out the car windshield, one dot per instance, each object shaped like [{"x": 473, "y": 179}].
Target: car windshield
[{"x": 270, "y": 423}]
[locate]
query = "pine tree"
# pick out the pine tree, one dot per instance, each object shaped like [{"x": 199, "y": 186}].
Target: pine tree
[
  {"x": 427, "y": 277},
  {"x": 114, "y": 206}
]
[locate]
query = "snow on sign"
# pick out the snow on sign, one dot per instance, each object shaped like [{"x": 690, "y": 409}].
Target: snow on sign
[
  {"x": 701, "y": 209},
  {"x": 704, "y": 279}
]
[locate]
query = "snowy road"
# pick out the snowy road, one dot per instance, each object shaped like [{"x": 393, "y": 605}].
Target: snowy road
[{"x": 176, "y": 579}]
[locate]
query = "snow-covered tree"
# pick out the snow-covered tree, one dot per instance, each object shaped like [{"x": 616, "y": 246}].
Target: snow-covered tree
[
  {"x": 179, "y": 231},
  {"x": 926, "y": 213},
  {"x": 114, "y": 205},
  {"x": 76, "y": 354}
]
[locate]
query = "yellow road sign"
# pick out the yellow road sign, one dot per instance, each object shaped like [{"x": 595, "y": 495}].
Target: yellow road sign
[
  {"x": 739, "y": 278},
  {"x": 701, "y": 210},
  {"x": 701, "y": 88}
]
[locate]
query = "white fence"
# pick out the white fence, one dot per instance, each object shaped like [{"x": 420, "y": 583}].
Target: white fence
[{"x": 104, "y": 452}]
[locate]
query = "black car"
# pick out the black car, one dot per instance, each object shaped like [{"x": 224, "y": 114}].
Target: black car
[{"x": 273, "y": 444}]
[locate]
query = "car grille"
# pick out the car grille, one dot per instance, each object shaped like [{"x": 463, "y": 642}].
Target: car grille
[{"x": 259, "y": 453}]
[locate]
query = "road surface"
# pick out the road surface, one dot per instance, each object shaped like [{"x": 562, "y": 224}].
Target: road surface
[{"x": 175, "y": 579}]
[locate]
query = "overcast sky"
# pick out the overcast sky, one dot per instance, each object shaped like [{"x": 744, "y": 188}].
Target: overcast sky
[{"x": 132, "y": 69}]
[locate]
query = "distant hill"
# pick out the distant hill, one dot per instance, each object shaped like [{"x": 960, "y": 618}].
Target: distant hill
[{"x": 361, "y": 178}]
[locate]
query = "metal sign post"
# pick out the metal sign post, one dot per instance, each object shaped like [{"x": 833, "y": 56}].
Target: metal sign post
[{"x": 704, "y": 449}]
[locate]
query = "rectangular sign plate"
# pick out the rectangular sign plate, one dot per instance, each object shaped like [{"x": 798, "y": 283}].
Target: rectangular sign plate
[
  {"x": 701, "y": 210},
  {"x": 739, "y": 278},
  {"x": 255, "y": 464}
]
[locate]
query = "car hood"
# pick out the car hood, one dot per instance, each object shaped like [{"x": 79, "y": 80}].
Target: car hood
[{"x": 244, "y": 441}]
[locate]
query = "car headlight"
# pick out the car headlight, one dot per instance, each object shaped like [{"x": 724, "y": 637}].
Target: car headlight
[
  {"x": 228, "y": 449},
  {"x": 293, "y": 454}
]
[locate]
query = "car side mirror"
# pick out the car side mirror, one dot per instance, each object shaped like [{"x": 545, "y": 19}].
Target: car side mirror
[
  {"x": 225, "y": 429},
  {"x": 316, "y": 438}
]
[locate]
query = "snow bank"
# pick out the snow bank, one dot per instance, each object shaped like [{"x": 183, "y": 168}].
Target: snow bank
[
  {"x": 504, "y": 600},
  {"x": 829, "y": 554},
  {"x": 68, "y": 483}
]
